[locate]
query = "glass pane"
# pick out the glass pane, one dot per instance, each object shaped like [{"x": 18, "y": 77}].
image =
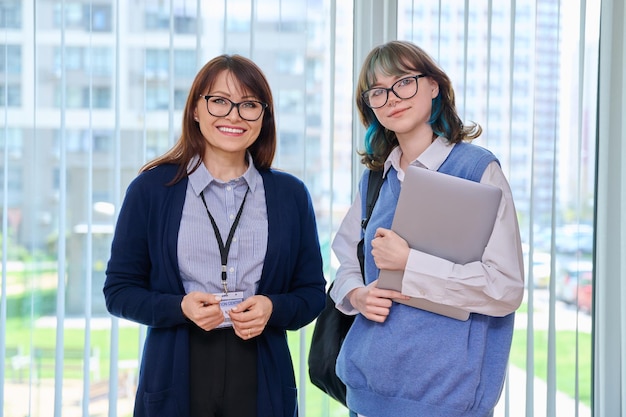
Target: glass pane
[
  {"x": 76, "y": 135},
  {"x": 84, "y": 117},
  {"x": 522, "y": 75}
]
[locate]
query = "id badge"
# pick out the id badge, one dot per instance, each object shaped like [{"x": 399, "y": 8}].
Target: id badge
[{"x": 229, "y": 301}]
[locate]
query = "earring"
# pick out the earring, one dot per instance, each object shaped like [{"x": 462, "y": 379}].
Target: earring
[{"x": 196, "y": 119}]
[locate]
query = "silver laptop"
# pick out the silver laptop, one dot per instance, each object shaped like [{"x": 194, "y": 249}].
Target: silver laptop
[{"x": 445, "y": 216}]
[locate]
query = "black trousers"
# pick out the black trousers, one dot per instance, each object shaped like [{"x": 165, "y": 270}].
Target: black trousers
[{"x": 223, "y": 374}]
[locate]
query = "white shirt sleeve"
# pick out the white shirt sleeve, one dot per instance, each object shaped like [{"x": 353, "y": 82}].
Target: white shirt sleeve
[
  {"x": 348, "y": 276},
  {"x": 495, "y": 285}
]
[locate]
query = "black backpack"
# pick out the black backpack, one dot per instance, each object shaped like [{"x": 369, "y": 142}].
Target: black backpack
[{"x": 332, "y": 325}]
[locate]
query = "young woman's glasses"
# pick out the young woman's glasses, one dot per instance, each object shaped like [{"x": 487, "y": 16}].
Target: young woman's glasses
[
  {"x": 403, "y": 89},
  {"x": 221, "y": 106}
]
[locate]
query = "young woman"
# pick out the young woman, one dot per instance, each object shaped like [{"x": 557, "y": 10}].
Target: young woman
[
  {"x": 397, "y": 360},
  {"x": 218, "y": 255}
]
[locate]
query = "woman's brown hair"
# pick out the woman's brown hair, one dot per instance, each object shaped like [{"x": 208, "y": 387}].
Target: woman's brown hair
[{"x": 191, "y": 141}]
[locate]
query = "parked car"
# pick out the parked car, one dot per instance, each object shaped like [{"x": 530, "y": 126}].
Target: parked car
[
  {"x": 585, "y": 293},
  {"x": 574, "y": 282},
  {"x": 574, "y": 239}
]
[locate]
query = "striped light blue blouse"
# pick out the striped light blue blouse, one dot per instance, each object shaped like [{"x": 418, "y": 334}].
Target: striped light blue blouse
[{"x": 198, "y": 250}]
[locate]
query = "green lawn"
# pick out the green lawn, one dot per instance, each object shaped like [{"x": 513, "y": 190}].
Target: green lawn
[
  {"x": 20, "y": 333},
  {"x": 566, "y": 357}
]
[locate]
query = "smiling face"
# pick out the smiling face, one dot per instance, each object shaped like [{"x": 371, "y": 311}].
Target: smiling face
[
  {"x": 227, "y": 136},
  {"x": 407, "y": 117}
]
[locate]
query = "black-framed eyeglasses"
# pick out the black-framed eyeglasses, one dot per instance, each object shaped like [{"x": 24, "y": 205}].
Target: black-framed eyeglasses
[
  {"x": 249, "y": 110},
  {"x": 403, "y": 89}
]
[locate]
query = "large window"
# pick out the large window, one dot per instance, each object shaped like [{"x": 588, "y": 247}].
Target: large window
[{"x": 92, "y": 89}]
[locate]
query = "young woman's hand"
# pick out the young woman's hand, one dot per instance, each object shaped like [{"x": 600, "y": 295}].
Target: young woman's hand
[
  {"x": 374, "y": 303},
  {"x": 389, "y": 250},
  {"x": 203, "y": 309},
  {"x": 251, "y": 316}
]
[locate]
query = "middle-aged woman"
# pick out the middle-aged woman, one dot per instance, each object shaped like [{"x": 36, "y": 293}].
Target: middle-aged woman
[{"x": 218, "y": 254}]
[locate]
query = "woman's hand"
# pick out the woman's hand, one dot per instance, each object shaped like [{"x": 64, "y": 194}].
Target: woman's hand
[
  {"x": 389, "y": 250},
  {"x": 374, "y": 303},
  {"x": 203, "y": 309},
  {"x": 251, "y": 316}
]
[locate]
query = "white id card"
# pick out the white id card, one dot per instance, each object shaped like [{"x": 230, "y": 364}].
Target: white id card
[{"x": 229, "y": 301}]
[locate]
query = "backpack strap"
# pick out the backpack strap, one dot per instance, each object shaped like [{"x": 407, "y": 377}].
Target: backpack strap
[{"x": 374, "y": 182}]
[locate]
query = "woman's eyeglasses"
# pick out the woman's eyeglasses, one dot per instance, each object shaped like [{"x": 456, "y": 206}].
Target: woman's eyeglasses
[
  {"x": 249, "y": 110},
  {"x": 403, "y": 89}
]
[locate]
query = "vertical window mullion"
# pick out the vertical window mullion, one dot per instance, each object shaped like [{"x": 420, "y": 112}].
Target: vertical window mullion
[
  {"x": 88, "y": 277},
  {"x": 172, "y": 76},
  {"x": 117, "y": 186},
  {"x": 62, "y": 226},
  {"x": 253, "y": 21},
  {"x": 465, "y": 57},
  {"x": 488, "y": 75},
  {"x": 551, "y": 406},
  {"x": 579, "y": 181},
  {"x": 5, "y": 223}
]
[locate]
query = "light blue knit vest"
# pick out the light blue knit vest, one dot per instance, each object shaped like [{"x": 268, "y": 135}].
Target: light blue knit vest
[{"x": 419, "y": 363}]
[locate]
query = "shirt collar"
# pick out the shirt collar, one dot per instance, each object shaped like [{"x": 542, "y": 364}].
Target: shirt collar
[
  {"x": 431, "y": 158},
  {"x": 201, "y": 178}
]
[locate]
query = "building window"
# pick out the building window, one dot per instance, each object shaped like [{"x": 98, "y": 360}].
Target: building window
[
  {"x": 11, "y": 59},
  {"x": 11, "y": 95},
  {"x": 11, "y": 14},
  {"x": 101, "y": 18},
  {"x": 157, "y": 63}
]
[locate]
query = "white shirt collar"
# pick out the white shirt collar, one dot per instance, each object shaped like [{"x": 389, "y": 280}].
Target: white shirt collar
[
  {"x": 201, "y": 177},
  {"x": 431, "y": 158}
]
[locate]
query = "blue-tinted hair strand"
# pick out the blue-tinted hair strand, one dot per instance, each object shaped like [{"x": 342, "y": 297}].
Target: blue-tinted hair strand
[
  {"x": 435, "y": 116},
  {"x": 369, "y": 133}
]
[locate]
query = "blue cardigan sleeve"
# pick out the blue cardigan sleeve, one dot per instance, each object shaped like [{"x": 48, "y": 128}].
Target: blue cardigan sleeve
[
  {"x": 142, "y": 279},
  {"x": 292, "y": 275}
]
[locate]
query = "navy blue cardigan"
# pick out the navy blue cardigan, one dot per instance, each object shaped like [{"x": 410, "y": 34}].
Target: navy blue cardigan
[{"x": 143, "y": 284}]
